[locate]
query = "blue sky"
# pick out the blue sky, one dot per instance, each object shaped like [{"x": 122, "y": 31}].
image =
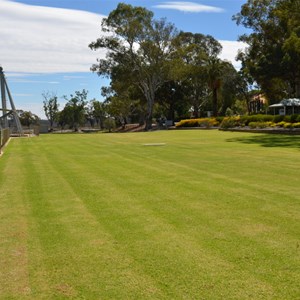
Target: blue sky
[{"x": 44, "y": 44}]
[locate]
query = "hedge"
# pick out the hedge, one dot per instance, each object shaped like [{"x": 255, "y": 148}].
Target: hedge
[{"x": 200, "y": 122}]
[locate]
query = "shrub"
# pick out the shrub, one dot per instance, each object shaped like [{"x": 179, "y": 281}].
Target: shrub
[
  {"x": 230, "y": 122},
  {"x": 256, "y": 118},
  {"x": 296, "y": 125},
  {"x": 280, "y": 124},
  {"x": 109, "y": 124},
  {"x": 200, "y": 122},
  {"x": 288, "y": 125},
  {"x": 187, "y": 123},
  {"x": 278, "y": 118},
  {"x": 229, "y": 112},
  {"x": 261, "y": 125},
  {"x": 287, "y": 119},
  {"x": 294, "y": 118},
  {"x": 220, "y": 119}
]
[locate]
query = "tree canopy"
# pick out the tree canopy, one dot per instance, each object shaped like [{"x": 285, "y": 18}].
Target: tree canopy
[
  {"x": 157, "y": 69},
  {"x": 273, "y": 54}
]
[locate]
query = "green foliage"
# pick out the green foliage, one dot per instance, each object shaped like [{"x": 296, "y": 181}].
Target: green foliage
[
  {"x": 109, "y": 124},
  {"x": 278, "y": 118},
  {"x": 294, "y": 118},
  {"x": 229, "y": 112},
  {"x": 137, "y": 51},
  {"x": 280, "y": 124},
  {"x": 288, "y": 125},
  {"x": 201, "y": 122},
  {"x": 27, "y": 118},
  {"x": 260, "y": 125},
  {"x": 256, "y": 118},
  {"x": 50, "y": 105},
  {"x": 230, "y": 122},
  {"x": 272, "y": 57},
  {"x": 260, "y": 121},
  {"x": 74, "y": 111}
]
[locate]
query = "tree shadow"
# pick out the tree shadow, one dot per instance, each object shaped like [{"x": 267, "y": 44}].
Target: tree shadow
[{"x": 270, "y": 140}]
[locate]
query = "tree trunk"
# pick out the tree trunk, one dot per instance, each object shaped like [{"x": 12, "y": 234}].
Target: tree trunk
[
  {"x": 149, "y": 115},
  {"x": 171, "y": 112},
  {"x": 215, "y": 102}
]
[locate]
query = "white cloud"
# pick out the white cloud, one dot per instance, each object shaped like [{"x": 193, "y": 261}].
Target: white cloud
[
  {"x": 38, "y": 39},
  {"x": 230, "y": 51},
  {"x": 189, "y": 7},
  {"x": 22, "y": 95},
  {"x": 17, "y": 80}
]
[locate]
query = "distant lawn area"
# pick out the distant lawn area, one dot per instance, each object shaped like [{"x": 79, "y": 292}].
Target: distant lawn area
[{"x": 191, "y": 214}]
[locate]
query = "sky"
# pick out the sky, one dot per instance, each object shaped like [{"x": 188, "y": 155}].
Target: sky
[{"x": 44, "y": 43}]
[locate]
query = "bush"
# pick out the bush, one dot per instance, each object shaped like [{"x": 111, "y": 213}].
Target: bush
[
  {"x": 278, "y": 118},
  {"x": 229, "y": 112},
  {"x": 294, "y": 118},
  {"x": 288, "y": 125},
  {"x": 296, "y": 125},
  {"x": 220, "y": 119},
  {"x": 230, "y": 122},
  {"x": 200, "y": 122},
  {"x": 109, "y": 124},
  {"x": 256, "y": 118},
  {"x": 287, "y": 119},
  {"x": 252, "y": 125},
  {"x": 261, "y": 125}
]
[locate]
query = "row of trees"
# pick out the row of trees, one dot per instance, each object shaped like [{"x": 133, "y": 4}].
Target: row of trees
[
  {"x": 154, "y": 69},
  {"x": 77, "y": 111}
]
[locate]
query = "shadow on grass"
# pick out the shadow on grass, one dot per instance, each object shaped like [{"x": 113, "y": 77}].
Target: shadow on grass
[{"x": 270, "y": 140}]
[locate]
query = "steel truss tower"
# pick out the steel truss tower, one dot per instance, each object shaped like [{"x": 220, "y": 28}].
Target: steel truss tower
[{"x": 5, "y": 110}]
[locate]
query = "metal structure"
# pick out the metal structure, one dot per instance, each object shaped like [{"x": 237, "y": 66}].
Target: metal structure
[{"x": 5, "y": 110}]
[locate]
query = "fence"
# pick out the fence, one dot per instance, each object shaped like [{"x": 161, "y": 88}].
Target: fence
[{"x": 4, "y": 136}]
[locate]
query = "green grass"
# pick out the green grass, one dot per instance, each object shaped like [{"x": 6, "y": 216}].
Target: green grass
[{"x": 209, "y": 215}]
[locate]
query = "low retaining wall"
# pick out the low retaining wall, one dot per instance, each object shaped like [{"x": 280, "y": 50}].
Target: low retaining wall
[
  {"x": 4, "y": 136},
  {"x": 295, "y": 131}
]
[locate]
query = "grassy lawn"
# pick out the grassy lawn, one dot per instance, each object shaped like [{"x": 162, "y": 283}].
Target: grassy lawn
[{"x": 208, "y": 215}]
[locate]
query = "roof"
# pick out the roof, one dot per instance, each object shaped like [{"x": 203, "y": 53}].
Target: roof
[{"x": 287, "y": 102}]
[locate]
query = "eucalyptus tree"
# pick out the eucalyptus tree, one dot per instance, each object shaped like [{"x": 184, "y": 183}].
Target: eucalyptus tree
[
  {"x": 198, "y": 67},
  {"x": 230, "y": 84},
  {"x": 273, "y": 54},
  {"x": 137, "y": 51},
  {"x": 124, "y": 102},
  {"x": 27, "y": 118},
  {"x": 99, "y": 112},
  {"x": 50, "y": 105},
  {"x": 74, "y": 110}
]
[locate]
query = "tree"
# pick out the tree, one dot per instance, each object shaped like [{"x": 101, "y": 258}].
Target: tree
[
  {"x": 199, "y": 69},
  {"x": 98, "y": 112},
  {"x": 74, "y": 111},
  {"x": 50, "y": 105},
  {"x": 272, "y": 57},
  {"x": 138, "y": 48},
  {"x": 229, "y": 87},
  {"x": 27, "y": 118}
]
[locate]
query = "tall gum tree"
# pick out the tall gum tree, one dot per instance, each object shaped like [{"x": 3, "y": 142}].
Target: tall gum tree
[
  {"x": 272, "y": 57},
  {"x": 137, "y": 51}
]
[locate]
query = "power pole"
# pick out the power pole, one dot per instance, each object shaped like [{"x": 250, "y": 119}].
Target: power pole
[{"x": 5, "y": 111}]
